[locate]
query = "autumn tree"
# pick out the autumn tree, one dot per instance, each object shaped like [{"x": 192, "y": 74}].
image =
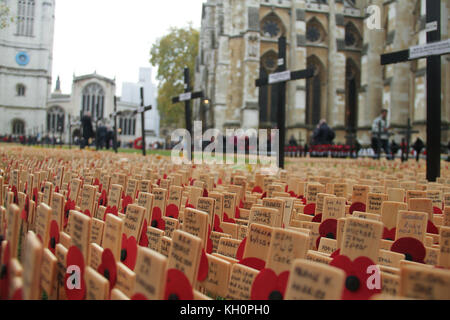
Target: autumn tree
[
  {"x": 171, "y": 54},
  {"x": 5, "y": 19}
]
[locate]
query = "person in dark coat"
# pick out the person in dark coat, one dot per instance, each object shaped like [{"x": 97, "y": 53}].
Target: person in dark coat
[
  {"x": 88, "y": 132},
  {"x": 101, "y": 135},
  {"x": 418, "y": 146},
  {"x": 109, "y": 137},
  {"x": 323, "y": 135}
]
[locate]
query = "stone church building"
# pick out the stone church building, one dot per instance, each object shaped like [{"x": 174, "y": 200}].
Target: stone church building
[
  {"x": 239, "y": 44},
  {"x": 29, "y": 106}
]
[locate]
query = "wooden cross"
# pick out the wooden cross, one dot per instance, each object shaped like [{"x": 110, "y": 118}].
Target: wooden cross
[
  {"x": 187, "y": 96},
  {"x": 407, "y": 132},
  {"x": 432, "y": 52},
  {"x": 279, "y": 78},
  {"x": 142, "y": 111}
]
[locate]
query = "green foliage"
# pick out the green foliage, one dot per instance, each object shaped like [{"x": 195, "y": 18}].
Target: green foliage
[
  {"x": 172, "y": 53},
  {"x": 5, "y": 19}
]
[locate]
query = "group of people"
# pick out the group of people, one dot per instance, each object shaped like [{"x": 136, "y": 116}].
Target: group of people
[
  {"x": 104, "y": 136},
  {"x": 323, "y": 137}
]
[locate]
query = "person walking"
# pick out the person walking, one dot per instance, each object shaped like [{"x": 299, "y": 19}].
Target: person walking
[
  {"x": 88, "y": 132},
  {"x": 380, "y": 135}
]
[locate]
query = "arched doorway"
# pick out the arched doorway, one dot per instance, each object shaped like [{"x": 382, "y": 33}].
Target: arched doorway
[
  {"x": 352, "y": 81},
  {"x": 18, "y": 127}
]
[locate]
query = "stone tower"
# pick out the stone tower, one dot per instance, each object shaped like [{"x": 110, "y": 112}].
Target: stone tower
[{"x": 26, "y": 50}]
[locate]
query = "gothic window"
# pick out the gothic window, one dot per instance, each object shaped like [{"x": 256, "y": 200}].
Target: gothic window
[
  {"x": 25, "y": 18},
  {"x": 272, "y": 27},
  {"x": 314, "y": 31},
  {"x": 18, "y": 127},
  {"x": 20, "y": 89},
  {"x": 55, "y": 120},
  {"x": 94, "y": 100},
  {"x": 314, "y": 92},
  {"x": 268, "y": 94},
  {"x": 127, "y": 124},
  {"x": 352, "y": 38},
  {"x": 351, "y": 88},
  {"x": 269, "y": 61}
]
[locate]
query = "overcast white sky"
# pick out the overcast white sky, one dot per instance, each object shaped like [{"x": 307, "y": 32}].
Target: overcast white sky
[{"x": 114, "y": 37}]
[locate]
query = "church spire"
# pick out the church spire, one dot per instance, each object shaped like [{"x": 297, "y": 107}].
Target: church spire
[{"x": 58, "y": 85}]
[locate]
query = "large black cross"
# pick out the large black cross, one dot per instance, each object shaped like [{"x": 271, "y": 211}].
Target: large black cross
[
  {"x": 187, "y": 96},
  {"x": 432, "y": 52},
  {"x": 279, "y": 78},
  {"x": 114, "y": 115},
  {"x": 142, "y": 110}
]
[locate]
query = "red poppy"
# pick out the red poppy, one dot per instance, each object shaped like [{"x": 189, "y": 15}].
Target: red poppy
[
  {"x": 75, "y": 258},
  {"x": 125, "y": 202},
  {"x": 191, "y": 181},
  {"x": 227, "y": 219},
  {"x": 158, "y": 182},
  {"x": 268, "y": 286},
  {"x": 254, "y": 263},
  {"x": 257, "y": 189},
  {"x": 178, "y": 286},
  {"x": 35, "y": 195},
  {"x": 87, "y": 212},
  {"x": 139, "y": 297},
  {"x": 357, "y": 206},
  {"x": 172, "y": 211},
  {"x": 205, "y": 193},
  {"x": 413, "y": 249},
  {"x": 108, "y": 267},
  {"x": 203, "y": 267},
  {"x": 357, "y": 275},
  {"x": 128, "y": 252},
  {"x": 5, "y": 273},
  {"x": 17, "y": 295},
  {"x": 292, "y": 194},
  {"x": 241, "y": 249},
  {"x": 57, "y": 189},
  {"x": 16, "y": 198},
  {"x": 143, "y": 241},
  {"x": 310, "y": 209},
  {"x": 264, "y": 195},
  {"x": 219, "y": 181},
  {"x": 25, "y": 188},
  {"x": 431, "y": 228},
  {"x": 111, "y": 210},
  {"x": 157, "y": 220},
  {"x": 389, "y": 234},
  {"x": 317, "y": 218},
  {"x": 237, "y": 213},
  {"x": 25, "y": 209},
  {"x": 103, "y": 200},
  {"x": 303, "y": 200},
  {"x": 335, "y": 254},
  {"x": 70, "y": 205},
  {"x": 54, "y": 236},
  {"x": 437, "y": 210},
  {"x": 217, "y": 227},
  {"x": 327, "y": 229},
  {"x": 97, "y": 183},
  {"x": 241, "y": 204}
]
